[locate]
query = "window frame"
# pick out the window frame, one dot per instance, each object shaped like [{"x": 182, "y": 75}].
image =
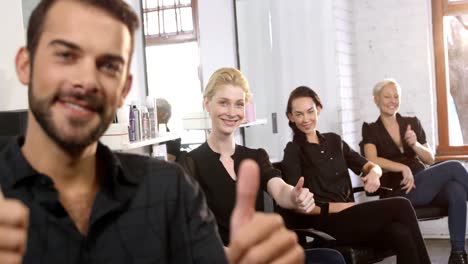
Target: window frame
[
  {"x": 177, "y": 37},
  {"x": 441, "y": 8}
]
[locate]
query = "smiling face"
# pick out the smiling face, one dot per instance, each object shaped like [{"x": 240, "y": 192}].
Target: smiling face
[
  {"x": 78, "y": 78},
  {"x": 304, "y": 114},
  {"x": 388, "y": 100},
  {"x": 226, "y": 108}
]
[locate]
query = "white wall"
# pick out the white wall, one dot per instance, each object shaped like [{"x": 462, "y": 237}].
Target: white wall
[
  {"x": 348, "y": 105},
  {"x": 257, "y": 63},
  {"x": 138, "y": 91},
  {"x": 217, "y": 41},
  {"x": 217, "y": 36},
  {"x": 27, "y": 7},
  {"x": 287, "y": 44},
  {"x": 13, "y": 93}
]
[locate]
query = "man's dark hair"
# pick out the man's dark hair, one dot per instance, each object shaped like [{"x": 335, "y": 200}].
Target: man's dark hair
[{"x": 116, "y": 8}]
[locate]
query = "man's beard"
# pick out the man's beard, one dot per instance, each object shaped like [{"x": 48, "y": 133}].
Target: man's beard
[{"x": 41, "y": 111}]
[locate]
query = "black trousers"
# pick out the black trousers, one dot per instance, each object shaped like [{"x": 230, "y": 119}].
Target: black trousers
[{"x": 387, "y": 223}]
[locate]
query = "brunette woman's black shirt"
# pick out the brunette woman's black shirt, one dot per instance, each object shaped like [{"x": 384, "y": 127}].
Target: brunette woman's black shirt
[{"x": 324, "y": 167}]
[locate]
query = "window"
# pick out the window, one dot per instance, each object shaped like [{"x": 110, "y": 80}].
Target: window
[
  {"x": 173, "y": 60},
  {"x": 170, "y": 21},
  {"x": 172, "y": 72},
  {"x": 450, "y": 30}
]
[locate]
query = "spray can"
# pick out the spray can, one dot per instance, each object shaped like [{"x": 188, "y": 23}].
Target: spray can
[
  {"x": 151, "y": 105},
  {"x": 136, "y": 114},
  {"x": 145, "y": 124},
  {"x": 131, "y": 126}
]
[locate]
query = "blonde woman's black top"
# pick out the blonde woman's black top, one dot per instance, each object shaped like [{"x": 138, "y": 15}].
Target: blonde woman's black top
[
  {"x": 220, "y": 188},
  {"x": 376, "y": 133}
]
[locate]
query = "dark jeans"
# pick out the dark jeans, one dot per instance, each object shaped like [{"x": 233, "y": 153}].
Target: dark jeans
[
  {"x": 387, "y": 223},
  {"x": 323, "y": 256},
  {"x": 445, "y": 184}
]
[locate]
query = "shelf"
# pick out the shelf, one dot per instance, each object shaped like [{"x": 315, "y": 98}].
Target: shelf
[
  {"x": 261, "y": 121},
  {"x": 116, "y": 145},
  {"x": 204, "y": 123}
]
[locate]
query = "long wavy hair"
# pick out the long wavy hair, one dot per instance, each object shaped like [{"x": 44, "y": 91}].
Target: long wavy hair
[{"x": 299, "y": 92}]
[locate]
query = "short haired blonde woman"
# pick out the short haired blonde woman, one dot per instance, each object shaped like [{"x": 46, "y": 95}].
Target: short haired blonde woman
[{"x": 398, "y": 144}]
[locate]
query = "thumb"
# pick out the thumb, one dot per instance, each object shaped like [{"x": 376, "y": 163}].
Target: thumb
[
  {"x": 246, "y": 194},
  {"x": 299, "y": 185},
  {"x": 408, "y": 128}
]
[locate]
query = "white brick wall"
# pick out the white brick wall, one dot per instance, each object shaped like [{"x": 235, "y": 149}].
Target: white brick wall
[{"x": 349, "y": 116}]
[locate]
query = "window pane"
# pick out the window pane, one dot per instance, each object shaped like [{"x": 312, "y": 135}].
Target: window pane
[
  {"x": 169, "y": 2},
  {"x": 456, "y": 30},
  {"x": 152, "y": 23},
  {"x": 185, "y": 2},
  {"x": 150, "y": 4},
  {"x": 170, "y": 21},
  {"x": 186, "y": 18}
]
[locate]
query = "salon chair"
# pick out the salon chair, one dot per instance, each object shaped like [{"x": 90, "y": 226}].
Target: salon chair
[
  {"x": 12, "y": 124},
  {"x": 313, "y": 238}
]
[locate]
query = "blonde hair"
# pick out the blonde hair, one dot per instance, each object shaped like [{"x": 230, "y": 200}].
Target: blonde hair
[
  {"x": 226, "y": 76},
  {"x": 380, "y": 85}
]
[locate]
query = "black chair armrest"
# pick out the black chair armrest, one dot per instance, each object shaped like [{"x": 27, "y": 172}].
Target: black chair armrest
[
  {"x": 361, "y": 189},
  {"x": 319, "y": 238},
  {"x": 430, "y": 212},
  {"x": 314, "y": 233},
  {"x": 358, "y": 189}
]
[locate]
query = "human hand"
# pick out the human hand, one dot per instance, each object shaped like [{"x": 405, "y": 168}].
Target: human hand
[
  {"x": 14, "y": 218},
  {"x": 302, "y": 198},
  {"x": 410, "y": 136},
  {"x": 408, "y": 179},
  {"x": 371, "y": 181},
  {"x": 258, "y": 237}
]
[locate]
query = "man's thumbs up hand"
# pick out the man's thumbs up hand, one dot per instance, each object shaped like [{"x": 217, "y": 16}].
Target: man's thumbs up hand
[
  {"x": 258, "y": 237},
  {"x": 14, "y": 218}
]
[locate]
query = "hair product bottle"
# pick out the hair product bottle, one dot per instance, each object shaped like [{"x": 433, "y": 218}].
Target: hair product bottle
[{"x": 136, "y": 114}]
